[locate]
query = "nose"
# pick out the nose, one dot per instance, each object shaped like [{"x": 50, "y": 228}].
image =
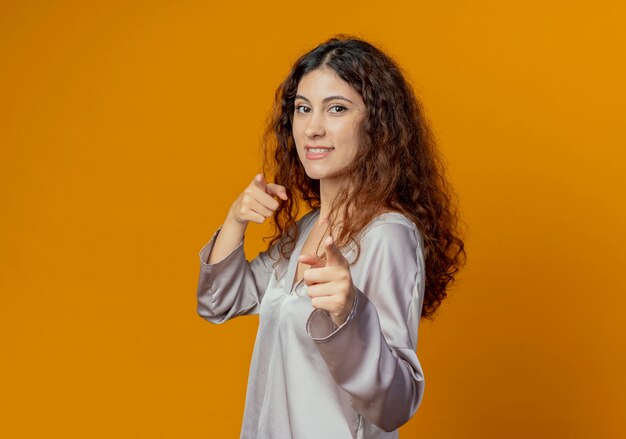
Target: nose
[{"x": 315, "y": 125}]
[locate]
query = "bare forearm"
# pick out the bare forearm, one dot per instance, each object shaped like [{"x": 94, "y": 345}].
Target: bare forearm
[{"x": 227, "y": 240}]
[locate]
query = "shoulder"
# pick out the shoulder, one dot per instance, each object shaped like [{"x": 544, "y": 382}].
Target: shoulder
[
  {"x": 391, "y": 218},
  {"x": 391, "y": 236},
  {"x": 390, "y": 252},
  {"x": 392, "y": 228}
]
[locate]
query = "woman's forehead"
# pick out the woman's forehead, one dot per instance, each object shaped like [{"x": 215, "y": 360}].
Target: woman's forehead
[{"x": 322, "y": 83}]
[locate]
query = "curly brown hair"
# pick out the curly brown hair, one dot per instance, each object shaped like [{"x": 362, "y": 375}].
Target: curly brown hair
[{"x": 398, "y": 167}]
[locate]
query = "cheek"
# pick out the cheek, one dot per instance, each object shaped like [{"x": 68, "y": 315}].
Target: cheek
[
  {"x": 297, "y": 135},
  {"x": 349, "y": 139}
]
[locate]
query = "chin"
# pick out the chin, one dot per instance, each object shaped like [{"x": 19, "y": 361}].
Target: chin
[
  {"x": 319, "y": 174},
  {"x": 314, "y": 175}
]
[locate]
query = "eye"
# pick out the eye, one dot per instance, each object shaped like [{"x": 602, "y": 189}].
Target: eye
[
  {"x": 338, "y": 108},
  {"x": 301, "y": 109}
]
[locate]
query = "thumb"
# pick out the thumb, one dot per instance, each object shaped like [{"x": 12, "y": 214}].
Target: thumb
[
  {"x": 333, "y": 254},
  {"x": 276, "y": 189}
]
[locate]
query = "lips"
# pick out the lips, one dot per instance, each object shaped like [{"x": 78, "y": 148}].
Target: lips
[{"x": 317, "y": 152}]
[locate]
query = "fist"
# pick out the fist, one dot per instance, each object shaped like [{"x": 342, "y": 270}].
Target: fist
[
  {"x": 257, "y": 202},
  {"x": 329, "y": 283}
]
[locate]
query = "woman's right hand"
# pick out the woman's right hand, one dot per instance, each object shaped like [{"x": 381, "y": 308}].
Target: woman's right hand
[{"x": 256, "y": 202}]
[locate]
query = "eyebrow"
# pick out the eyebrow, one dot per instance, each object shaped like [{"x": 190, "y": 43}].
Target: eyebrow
[{"x": 329, "y": 98}]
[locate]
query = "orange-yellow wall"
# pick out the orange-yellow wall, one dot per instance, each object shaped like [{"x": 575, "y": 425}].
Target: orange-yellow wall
[{"x": 128, "y": 128}]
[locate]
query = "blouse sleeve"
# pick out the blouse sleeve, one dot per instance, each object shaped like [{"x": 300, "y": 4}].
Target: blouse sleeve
[
  {"x": 232, "y": 286},
  {"x": 372, "y": 355}
]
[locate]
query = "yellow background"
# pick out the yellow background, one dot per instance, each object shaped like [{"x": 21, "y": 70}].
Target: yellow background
[{"x": 128, "y": 128}]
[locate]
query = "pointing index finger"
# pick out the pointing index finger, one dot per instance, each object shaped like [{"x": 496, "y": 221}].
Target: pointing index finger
[
  {"x": 313, "y": 260},
  {"x": 259, "y": 179}
]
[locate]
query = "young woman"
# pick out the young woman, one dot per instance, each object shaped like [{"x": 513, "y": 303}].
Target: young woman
[{"x": 340, "y": 291}]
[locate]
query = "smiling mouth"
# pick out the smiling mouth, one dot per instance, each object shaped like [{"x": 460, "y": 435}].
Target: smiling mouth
[{"x": 318, "y": 150}]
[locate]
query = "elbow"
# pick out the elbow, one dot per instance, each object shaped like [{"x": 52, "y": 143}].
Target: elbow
[
  {"x": 212, "y": 310},
  {"x": 205, "y": 300},
  {"x": 204, "y": 312},
  {"x": 390, "y": 427},
  {"x": 205, "y": 308},
  {"x": 397, "y": 413},
  {"x": 210, "y": 316},
  {"x": 392, "y": 422},
  {"x": 386, "y": 424}
]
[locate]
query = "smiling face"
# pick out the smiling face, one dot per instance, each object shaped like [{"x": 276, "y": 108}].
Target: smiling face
[{"x": 326, "y": 118}]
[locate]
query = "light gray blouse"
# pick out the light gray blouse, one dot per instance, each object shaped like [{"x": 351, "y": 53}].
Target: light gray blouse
[{"x": 309, "y": 378}]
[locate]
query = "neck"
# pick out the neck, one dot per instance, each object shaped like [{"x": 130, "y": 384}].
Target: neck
[{"x": 329, "y": 188}]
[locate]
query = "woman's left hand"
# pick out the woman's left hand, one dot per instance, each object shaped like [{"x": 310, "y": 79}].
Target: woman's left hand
[{"x": 329, "y": 283}]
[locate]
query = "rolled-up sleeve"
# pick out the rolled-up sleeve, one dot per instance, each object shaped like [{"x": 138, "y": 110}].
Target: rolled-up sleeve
[
  {"x": 233, "y": 286},
  {"x": 372, "y": 355}
]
